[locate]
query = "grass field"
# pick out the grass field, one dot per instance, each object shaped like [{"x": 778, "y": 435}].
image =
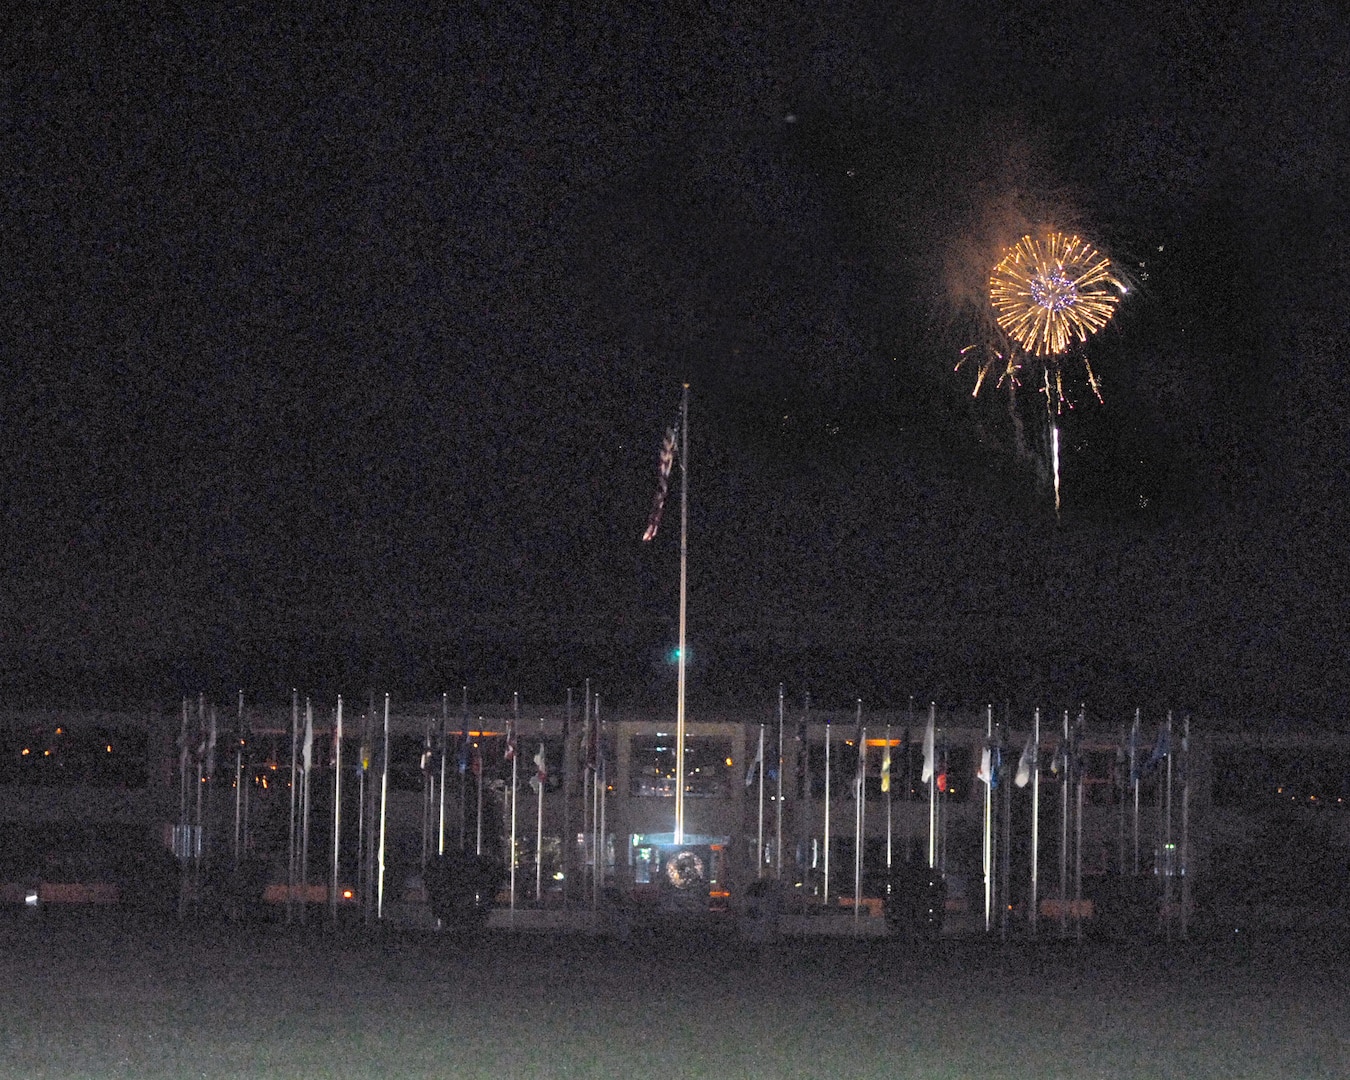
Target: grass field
[{"x": 96, "y": 995}]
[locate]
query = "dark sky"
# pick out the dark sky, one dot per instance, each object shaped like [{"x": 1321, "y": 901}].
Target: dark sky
[{"x": 338, "y": 353}]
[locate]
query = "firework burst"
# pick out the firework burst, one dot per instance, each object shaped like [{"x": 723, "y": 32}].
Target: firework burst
[{"x": 1048, "y": 292}]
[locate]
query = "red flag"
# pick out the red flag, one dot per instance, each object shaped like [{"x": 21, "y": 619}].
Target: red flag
[{"x": 663, "y": 483}]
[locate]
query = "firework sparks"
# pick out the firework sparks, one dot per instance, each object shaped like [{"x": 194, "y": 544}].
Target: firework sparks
[{"x": 1048, "y": 292}]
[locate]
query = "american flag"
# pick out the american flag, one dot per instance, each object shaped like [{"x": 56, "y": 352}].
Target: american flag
[{"x": 663, "y": 483}]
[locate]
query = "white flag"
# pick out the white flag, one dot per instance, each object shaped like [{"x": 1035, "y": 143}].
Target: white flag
[
  {"x": 307, "y": 751},
  {"x": 928, "y": 751},
  {"x": 759, "y": 759},
  {"x": 1026, "y": 763}
]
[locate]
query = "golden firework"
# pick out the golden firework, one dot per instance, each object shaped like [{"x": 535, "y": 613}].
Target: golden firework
[{"x": 1047, "y": 292}]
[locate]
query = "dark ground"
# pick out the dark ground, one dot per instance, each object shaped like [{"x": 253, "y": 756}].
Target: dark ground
[{"x": 103, "y": 995}]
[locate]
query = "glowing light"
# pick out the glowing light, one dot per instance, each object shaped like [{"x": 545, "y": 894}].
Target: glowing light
[{"x": 1047, "y": 292}]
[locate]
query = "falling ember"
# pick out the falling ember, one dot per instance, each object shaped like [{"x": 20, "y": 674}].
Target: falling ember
[{"x": 1054, "y": 460}]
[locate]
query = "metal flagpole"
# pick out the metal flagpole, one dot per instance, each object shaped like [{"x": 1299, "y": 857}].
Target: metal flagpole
[
  {"x": 684, "y": 579},
  {"x": 886, "y": 765},
  {"x": 239, "y": 779},
  {"x": 825, "y": 896},
  {"x": 384, "y": 811},
  {"x": 337, "y": 805},
  {"x": 1005, "y": 850},
  {"x": 1185, "y": 825},
  {"x": 478, "y": 775},
  {"x": 601, "y": 793},
  {"x": 183, "y": 845},
  {"x": 1167, "y": 837},
  {"x": 595, "y": 809},
  {"x": 1033, "y": 912},
  {"x": 778, "y": 814},
  {"x": 541, "y": 777},
  {"x": 291, "y": 868},
  {"x": 568, "y": 840},
  {"x": 1079, "y": 770},
  {"x": 445, "y": 747},
  {"x": 1064, "y": 771},
  {"x": 930, "y": 769},
  {"x": 987, "y": 770},
  {"x": 362, "y": 862},
  {"x": 859, "y": 821},
  {"x": 1134, "y": 783},
  {"x": 602, "y": 831},
  {"x": 587, "y": 780},
  {"x": 759, "y": 839},
  {"x": 511, "y": 753},
  {"x": 307, "y": 756}
]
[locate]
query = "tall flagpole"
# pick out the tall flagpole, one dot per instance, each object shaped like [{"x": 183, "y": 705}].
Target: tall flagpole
[
  {"x": 759, "y": 837},
  {"x": 930, "y": 767},
  {"x": 566, "y": 765},
  {"x": 987, "y": 767},
  {"x": 337, "y": 803},
  {"x": 290, "y": 865},
  {"x": 1065, "y": 770},
  {"x": 684, "y": 580},
  {"x": 1185, "y": 824},
  {"x": 541, "y": 777},
  {"x": 307, "y": 754},
  {"x": 511, "y": 749},
  {"x": 825, "y": 895},
  {"x": 384, "y": 808},
  {"x": 1032, "y": 908},
  {"x": 778, "y": 815},
  {"x": 1134, "y": 783},
  {"x": 239, "y": 779},
  {"x": 1168, "y": 862},
  {"x": 886, "y": 768},
  {"x": 859, "y": 817},
  {"x": 445, "y": 743}
]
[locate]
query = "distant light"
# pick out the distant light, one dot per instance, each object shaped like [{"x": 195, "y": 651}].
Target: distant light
[
  {"x": 728, "y": 762},
  {"x": 46, "y": 753},
  {"x": 58, "y": 731},
  {"x": 347, "y": 894},
  {"x": 26, "y": 752},
  {"x": 31, "y": 898},
  {"x": 109, "y": 748}
]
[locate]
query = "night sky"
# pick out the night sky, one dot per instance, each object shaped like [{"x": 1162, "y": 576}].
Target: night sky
[{"x": 338, "y": 354}]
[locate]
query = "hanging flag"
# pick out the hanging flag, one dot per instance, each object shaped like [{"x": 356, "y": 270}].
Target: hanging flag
[
  {"x": 540, "y": 771},
  {"x": 307, "y": 749},
  {"x": 886, "y": 768},
  {"x": 928, "y": 751},
  {"x": 942, "y": 772},
  {"x": 758, "y": 762},
  {"x": 1026, "y": 763},
  {"x": 1161, "y": 746},
  {"x": 663, "y": 484},
  {"x": 477, "y": 762},
  {"x": 860, "y": 776},
  {"x": 986, "y": 773},
  {"x": 510, "y": 752}
]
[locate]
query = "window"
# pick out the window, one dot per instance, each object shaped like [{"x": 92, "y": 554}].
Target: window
[{"x": 708, "y": 766}]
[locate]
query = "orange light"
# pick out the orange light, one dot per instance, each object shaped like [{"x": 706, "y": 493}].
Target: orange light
[
  {"x": 109, "y": 748},
  {"x": 347, "y": 894},
  {"x": 58, "y": 731}
]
